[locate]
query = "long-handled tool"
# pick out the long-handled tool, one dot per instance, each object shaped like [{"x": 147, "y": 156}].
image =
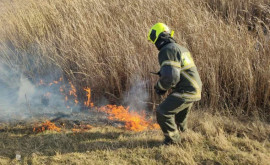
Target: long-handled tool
[{"x": 156, "y": 73}]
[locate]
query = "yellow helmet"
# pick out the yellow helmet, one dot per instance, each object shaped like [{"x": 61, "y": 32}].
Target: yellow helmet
[{"x": 156, "y": 30}]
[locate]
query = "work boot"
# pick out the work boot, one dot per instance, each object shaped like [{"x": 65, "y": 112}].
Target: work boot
[{"x": 168, "y": 141}]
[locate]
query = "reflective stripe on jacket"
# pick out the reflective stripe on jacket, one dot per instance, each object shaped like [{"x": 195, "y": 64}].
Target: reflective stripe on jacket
[{"x": 178, "y": 71}]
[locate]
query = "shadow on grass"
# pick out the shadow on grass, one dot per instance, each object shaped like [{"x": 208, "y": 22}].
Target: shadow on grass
[
  {"x": 53, "y": 143},
  {"x": 25, "y": 130}
]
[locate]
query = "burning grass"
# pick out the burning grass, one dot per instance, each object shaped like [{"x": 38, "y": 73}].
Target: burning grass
[
  {"x": 133, "y": 120},
  {"x": 211, "y": 139},
  {"x": 104, "y": 46},
  {"x": 46, "y": 126}
]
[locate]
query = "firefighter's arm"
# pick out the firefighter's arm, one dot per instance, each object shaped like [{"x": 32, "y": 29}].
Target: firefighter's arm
[
  {"x": 170, "y": 67},
  {"x": 169, "y": 77}
]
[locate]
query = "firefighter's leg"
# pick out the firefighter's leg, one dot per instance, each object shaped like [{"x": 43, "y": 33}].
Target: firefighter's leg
[
  {"x": 182, "y": 116},
  {"x": 166, "y": 112}
]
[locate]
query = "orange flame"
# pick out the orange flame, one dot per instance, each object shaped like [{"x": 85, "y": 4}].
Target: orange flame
[
  {"x": 41, "y": 82},
  {"x": 88, "y": 103},
  {"x": 134, "y": 121},
  {"x": 70, "y": 93},
  {"x": 73, "y": 92},
  {"x": 46, "y": 126}
]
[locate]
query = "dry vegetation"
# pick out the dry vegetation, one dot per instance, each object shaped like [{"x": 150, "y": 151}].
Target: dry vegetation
[
  {"x": 103, "y": 45},
  {"x": 249, "y": 12},
  {"x": 212, "y": 139}
]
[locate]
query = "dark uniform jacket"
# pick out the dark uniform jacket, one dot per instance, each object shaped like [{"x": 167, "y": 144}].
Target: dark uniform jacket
[{"x": 178, "y": 71}]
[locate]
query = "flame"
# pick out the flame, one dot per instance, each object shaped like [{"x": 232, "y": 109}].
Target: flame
[
  {"x": 46, "y": 126},
  {"x": 41, "y": 82},
  {"x": 73, "y": 92},
  {"x": 134, "y": 121},
  {"x": 68, "y": 91},
  {"x": 88, "y": 103}
]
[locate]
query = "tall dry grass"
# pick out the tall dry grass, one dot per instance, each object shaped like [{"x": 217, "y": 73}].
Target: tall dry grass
[
  {"x": 103, "y": 45},
  {"x": 254, "y": 13}
]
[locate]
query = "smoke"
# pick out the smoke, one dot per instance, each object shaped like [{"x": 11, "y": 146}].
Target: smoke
[
  {"x": 8, "y": 86},
  {"x": 136, "y": 98},
  {"x": 21, "y": 97},
  {"x": 26, "y": 89}
]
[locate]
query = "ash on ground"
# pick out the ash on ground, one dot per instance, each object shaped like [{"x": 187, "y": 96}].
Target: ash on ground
[{"x": 66, "y": 120}]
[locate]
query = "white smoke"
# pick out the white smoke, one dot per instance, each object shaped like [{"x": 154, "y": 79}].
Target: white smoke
[
  {"x": 136, "y": 98},
  {"x": 26, "y": 90},
  {"x": 21, "y": 98}
]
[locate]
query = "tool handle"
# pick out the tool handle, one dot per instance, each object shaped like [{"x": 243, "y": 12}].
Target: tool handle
[{"x": 156, "y": 73}]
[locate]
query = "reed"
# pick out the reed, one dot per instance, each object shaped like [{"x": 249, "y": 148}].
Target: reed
[{"x": 104, "y": 45}]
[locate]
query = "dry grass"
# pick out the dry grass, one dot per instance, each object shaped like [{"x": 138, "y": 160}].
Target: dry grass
[
  {"x": 212, "y": 139},
  {"x": 254, "y": 13},
  {"x": 103, "y": 45}
]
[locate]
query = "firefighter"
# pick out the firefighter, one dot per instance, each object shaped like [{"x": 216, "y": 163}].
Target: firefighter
[{"x": 179, "y": 73}]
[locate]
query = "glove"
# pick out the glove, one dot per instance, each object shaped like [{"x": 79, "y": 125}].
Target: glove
[{"x": 159, "y": 91}]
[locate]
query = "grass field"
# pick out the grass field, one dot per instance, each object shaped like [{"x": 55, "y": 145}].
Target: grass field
[
  {"x": 103, "y": 45},
  {"x": 211, "y": 139}
]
